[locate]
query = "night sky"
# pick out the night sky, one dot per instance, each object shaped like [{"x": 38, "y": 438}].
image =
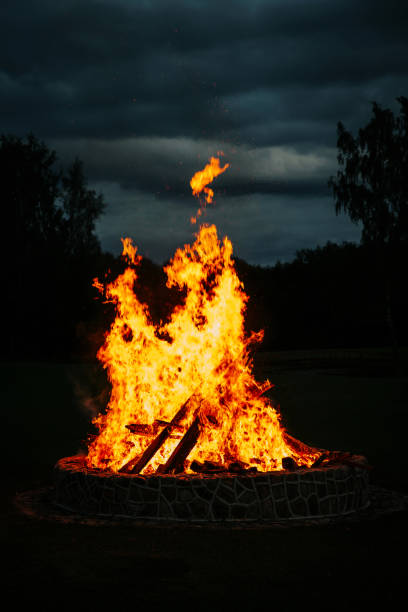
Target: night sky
[{"x": 145, "y": 92}]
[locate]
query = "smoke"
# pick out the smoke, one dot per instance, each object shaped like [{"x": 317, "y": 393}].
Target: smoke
[{"x": 90, "y": 389}]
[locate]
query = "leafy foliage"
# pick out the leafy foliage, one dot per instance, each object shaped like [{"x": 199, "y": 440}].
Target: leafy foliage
[
  {"x": 45, "y": 209},
  {"x": 49, "y": 244},
  {"x": 372, "y": 184}
]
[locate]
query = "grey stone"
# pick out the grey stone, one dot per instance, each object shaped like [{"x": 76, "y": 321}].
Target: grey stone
[
  {"x": 247, "y": 497},
  {"x": 149, "y": 495},
  {"x": 282, "y": 509},
  {"x": 181, "y": 510},
  {"x": 185, "y": 495},
  {"x": 268, "y": 509},
  {"x": 199, "y": 509},
  {"x": 220, "y": 510},
  {"x": 263, "y": 490},
  {"x": 253, "y": 511},
  {"x": 273, "y": 496},
  {"x": 313, "y": 505},
  {"x": 170, "y": 492},
  {"x": 298, "y": 507},
  {"x": 238, "y": 511},
  {"x": 226, "y": 494},
  {"x": 202, "y": 491}
]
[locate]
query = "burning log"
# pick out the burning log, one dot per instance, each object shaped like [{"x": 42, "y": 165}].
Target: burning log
[
  {"x": 142, "y": 429},
  {"x": 136, "y": 465},
  {"x": 208, "y": 467},
  {"x": 335, "y": 457},
  {"x": 266, "y": 386},
  {"x": 299, "y": 447},
  {"x": 174, "y": 426},
  {"x": 175, "y": 463},
  {"x": 289, "y": 464},
  {"x": 238, "y": 467}
]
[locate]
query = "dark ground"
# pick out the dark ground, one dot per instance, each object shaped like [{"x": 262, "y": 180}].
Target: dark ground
[{"x": 344, "y": 400}]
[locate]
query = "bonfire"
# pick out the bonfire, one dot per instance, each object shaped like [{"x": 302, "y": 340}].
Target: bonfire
[
  {"x": 189, "y": 434},
  {"x": 184, "y": 397}
]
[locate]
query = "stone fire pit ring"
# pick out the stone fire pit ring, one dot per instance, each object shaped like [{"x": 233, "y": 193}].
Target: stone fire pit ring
[{"x": 307, "y": 493}]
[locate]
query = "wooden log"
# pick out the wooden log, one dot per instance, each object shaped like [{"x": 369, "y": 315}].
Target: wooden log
[
  {"x": 174, "y": 426},
  {"x": 258, "y": 391},
  {"x": 142, "y": 429},
  {"x": 237, "y": 467},
  {"x": 342, "y": 458},
  {"x": 208, "y": 467},
  {"x": 299, "y": 447},
  {"x": 289, "y": 464},
  {"x": 323, "y": 457},
  {"x": 175, "y": 462},
  {"x": 136, "y": 465}
]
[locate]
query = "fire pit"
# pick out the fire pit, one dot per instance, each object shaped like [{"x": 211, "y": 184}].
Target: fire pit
[
  {"x": 189, "y": 433},
  {"x": 319, "y": 492}
]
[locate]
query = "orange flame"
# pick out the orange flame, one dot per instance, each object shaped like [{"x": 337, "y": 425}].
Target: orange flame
[
  {"x": 202, "y": 178},
  {"x": 201, "y": 353}
]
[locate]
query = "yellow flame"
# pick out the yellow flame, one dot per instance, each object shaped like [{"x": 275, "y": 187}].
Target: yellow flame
[
  {"x": 203, "y": 177},
  {"x": 201, "y": 353}
]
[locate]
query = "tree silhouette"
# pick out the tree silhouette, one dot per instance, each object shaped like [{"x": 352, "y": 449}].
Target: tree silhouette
[
  {"x": 81, "y": 207},
  {"x": 46, "y": 209},
  {"x": 372, "y": 185},
  {"x": 372, "y": 188},
  {"x": 47, "y": 241}
]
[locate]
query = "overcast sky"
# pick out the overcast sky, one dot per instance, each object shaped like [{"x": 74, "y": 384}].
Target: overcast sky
[{"x": 144, "y": 92}]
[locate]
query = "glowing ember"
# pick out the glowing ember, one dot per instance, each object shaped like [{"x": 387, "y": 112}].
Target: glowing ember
[{"x": 201, "y": 354}]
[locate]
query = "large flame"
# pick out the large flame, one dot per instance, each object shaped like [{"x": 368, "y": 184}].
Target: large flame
[{"x": 202, "y": 353}]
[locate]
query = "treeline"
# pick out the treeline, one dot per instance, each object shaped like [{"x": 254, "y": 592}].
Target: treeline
[{"x": 330, "y": 296}]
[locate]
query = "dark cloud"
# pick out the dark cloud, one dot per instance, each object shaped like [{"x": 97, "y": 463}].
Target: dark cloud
[
  {"x": 263, "y": 228},
  {"x": 99, "y": 68},
  {"x": 163, "y": 166},
  {"x": 146, "y": 91}
]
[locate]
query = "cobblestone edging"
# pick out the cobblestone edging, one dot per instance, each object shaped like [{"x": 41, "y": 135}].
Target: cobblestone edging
[{"x": 278, "y": 496}]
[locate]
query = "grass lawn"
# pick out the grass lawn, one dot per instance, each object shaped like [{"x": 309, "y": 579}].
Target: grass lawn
[{"x": 341, "y": 401}]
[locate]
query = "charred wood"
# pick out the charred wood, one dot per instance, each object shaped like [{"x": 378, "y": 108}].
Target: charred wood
[
  {"x": 299, "y": 447},
  {"x": 341, "y": 458},
  {"x": 175, "y": 463},
  {"x": 207, "y": 467},
  {"x": 142, "y": 429},
  {"x": 136, "y": 465},
  {"x": 238, "y": 467},
  {"x": 289, "y": 464},
  {"x": 151, "y": 430},
  {"x": 174, "y": 426},
  {"x": 210, "y": 467}
]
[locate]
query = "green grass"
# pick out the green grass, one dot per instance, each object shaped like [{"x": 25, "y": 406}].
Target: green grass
[{"x": 324, "y": 403}]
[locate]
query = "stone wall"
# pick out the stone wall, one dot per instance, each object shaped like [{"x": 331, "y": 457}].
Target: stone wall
[{"x": 277, "y": 496}]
